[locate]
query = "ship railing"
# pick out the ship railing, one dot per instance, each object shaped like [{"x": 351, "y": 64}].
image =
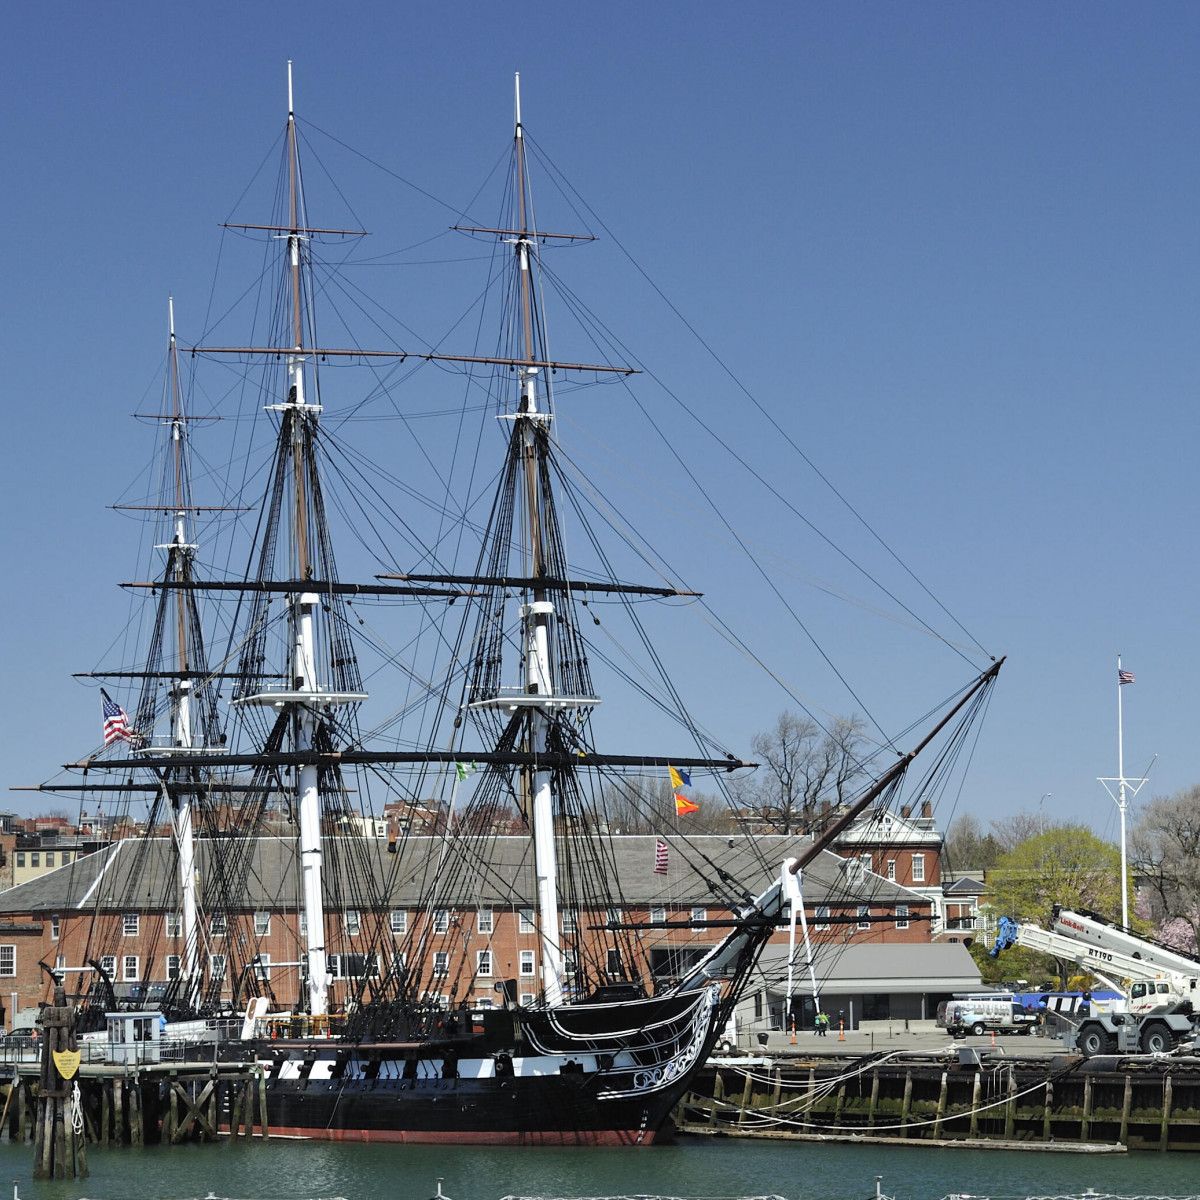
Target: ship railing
[{"x": 22, "y": 1051}]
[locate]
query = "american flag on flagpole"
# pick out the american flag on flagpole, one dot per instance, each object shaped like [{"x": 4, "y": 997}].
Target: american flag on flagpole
[
  {"x": 1124, "y": 677},
  {"x": 116, "y": 721},
  {"x": 660, "y": 856}
]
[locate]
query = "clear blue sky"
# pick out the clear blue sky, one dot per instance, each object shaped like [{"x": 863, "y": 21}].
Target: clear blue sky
[{"x": 952, "y": 248}]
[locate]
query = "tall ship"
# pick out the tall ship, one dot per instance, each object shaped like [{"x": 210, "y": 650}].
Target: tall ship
[{"x": 378, "y": 848}]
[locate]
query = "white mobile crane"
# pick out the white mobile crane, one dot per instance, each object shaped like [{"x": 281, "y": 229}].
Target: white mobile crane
[{"x": 1162, "y": 983}]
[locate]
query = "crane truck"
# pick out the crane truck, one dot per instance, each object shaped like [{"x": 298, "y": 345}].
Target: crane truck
[{"x": 1162, "y": 983}]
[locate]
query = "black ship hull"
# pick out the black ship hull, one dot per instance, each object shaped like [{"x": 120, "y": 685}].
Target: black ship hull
[{"x": 605, "y": 1074}]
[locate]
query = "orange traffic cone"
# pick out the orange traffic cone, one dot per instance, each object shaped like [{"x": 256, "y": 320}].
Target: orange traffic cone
[
  {"x": 793, "y": 1031},
  {"x": 993, "y": 1039},
  {"x": 841, "y": 1029}
]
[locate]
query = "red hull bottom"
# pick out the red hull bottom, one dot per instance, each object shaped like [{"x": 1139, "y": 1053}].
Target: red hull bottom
[{"x": 582, "y": 1137}]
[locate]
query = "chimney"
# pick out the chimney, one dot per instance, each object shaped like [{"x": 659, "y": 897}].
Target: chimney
[
  {"x": 906, "y": 810},
  {"x": 927, "y": 809}
]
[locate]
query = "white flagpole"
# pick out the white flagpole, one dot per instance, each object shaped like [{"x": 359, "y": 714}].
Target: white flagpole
[{"x": 1122, "y": 800}]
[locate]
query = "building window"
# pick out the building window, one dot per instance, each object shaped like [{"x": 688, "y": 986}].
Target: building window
[
  {"x": 35, "y": 858},
  {"x": 262, "y": 924},
  {"x": 399, "y": 970},
  {"x": 891, "y": 869},
  {"x": 66, "y": 857},
  {"x": 352, "y": 922},
  {"x": 20, "y": 858},
  {"x": 570, "y": 962},
  {"x": 485, "y": 922},
  {"x": 262, "y": 968},
  {"x": 865, "y": 859},
  {"x": 614, "y": 916},
  {"x": 441, "y": 920},
  {"x": 216, "y": 966},
  {"x": 108, "y": 964},
  {"x": 172, "y": 966},
  {"x": 658, "y": 915},
  {"x": 918, "y": 868},
  {"x": 398, "y": 920},
  {"x": 49, "y": 858},
  {"x": 304, "y": 925},
  {"x": 129, "y": 968},
  {"x": 570, "y": 922},
  {"x": 55, "y": 926},
  {"x": 614, "y": 964},
  {"x": 174, "y": 924},
  {"x": 822, "y": 917},
  {"x": 525, "y": 922},
  {"x": 901, "y": 916},
  {"x": 131, "y": 924},
  {"x": 441, "y": 962},
  {"x": 8, "y": 964},
  {"x": 60, "y": 962},
  {"x": 526, "y": 999},
  {"x": 864, "y": 916},
  {"x": 483, "y": 962},
  {"x": 699, "y": 916},
  {"x": 219, "y": 924},
  {"x": 526, "y": 962}
]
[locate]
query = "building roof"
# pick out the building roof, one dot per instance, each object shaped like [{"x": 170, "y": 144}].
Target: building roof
[
  {"x": 915, "y": 967},
  {"x": 965, "y": 887},
  {"x": 139, "y": 874}
]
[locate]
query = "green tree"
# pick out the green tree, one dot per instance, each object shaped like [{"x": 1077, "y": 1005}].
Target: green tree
[{"x": 1067, "y": 865}]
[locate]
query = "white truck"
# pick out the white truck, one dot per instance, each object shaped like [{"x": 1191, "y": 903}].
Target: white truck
[{"x": 1160, "y": 984}]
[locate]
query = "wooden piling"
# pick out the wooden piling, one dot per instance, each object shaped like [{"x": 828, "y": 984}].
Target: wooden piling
[
  {"x": 1164, "y": 1131},
  {"x": 906, "y": 1104},
  {"x": 1047, "y": 1108},
  {"x": 1086, "y": 1124},
  {"x": 1126, "y": 1105},
  {"x": 264, "y": 1126},
  {"x": 874, "y": 1099},
  {"x": 1010, "y": 1109},
  {"x": 943, "y": 1095},
  {"x": 976, "y": 1097}
]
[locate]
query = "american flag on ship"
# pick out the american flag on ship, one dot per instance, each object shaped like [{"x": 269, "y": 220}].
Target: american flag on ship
[
  {"x": 116, "y": 721},
  {"x": 1124, "y": 677},
  {"x": 660, "y": 856}
]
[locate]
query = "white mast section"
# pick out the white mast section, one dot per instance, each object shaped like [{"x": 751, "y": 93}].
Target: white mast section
[
  {"x": 1126, "y": 789},
  {"x": 304, "y": 658},
  {"x": 184, "y": 832}
]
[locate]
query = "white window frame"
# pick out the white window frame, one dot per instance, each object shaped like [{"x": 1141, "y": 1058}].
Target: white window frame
[
  {"x": 527, "y": 999},
  {"x": 108, "y": 963},
  {"x": 891, "y": 869},
  {"x": 901, "y": 916},
  {"x": 613, "y": 967},
  {"x": 441, "y": 964},
  {"x": 570, "y": 962},
  {"x": 864, "y": 916},
  {"x": 441, "y": 920},
  {"x": 527, "y": 966},
  {"x": 218, "y": 966},
  {"x": 173, "y": 966},
  {"x": 918, "y": 868},
  {"x": 570, "y": 920},
  {"x": 352, "y": 922},
  {"x": 483, "y": 963},
  {"x": 131, "y": 924},
  {"x": 261, "y": 967},
  {"x": 174, "y": 923},
  {"x": 485, "y": 921},
  {"x": 821, "y": 917},
  {"x": 525, "y": 921},
  {"x": 262, "y": 924},
  {"x": 218, "y": 925},
  {"x": 867, "y": 861},
  {"x": 658, "y": 914},
  {"x": 55, "y": 928},
  {"x": 8, "y": 963},
  {"x": 130, "y": 968},
  {"x": 699, "y": 915},
  {"x": 398, "y": 920}
]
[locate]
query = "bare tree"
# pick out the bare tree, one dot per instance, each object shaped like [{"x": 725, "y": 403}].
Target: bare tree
[
  {"x": 803, "y": 766},
  {"x": 1165, "y": 855},
  {"x": 968, "y": 847}
]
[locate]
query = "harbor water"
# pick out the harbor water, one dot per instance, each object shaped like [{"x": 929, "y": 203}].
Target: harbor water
[{"x": 691, "y": 1167}]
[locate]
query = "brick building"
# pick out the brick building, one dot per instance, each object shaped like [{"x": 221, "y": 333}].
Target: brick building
[{"x": 118, "y": 905}]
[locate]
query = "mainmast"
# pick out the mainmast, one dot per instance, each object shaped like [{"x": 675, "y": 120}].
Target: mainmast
[
  {"x": 538, "y": 615},
  {"x": 305, "y": 699}
]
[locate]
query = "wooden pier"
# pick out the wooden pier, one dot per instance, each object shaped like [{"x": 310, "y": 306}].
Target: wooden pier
[
  {"x": 146, "y": 1104},
  {"x": 1137, "y": 1102}
]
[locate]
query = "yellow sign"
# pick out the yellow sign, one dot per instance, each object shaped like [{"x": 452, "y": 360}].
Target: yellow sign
[{"x": 67, "y": 1062}]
